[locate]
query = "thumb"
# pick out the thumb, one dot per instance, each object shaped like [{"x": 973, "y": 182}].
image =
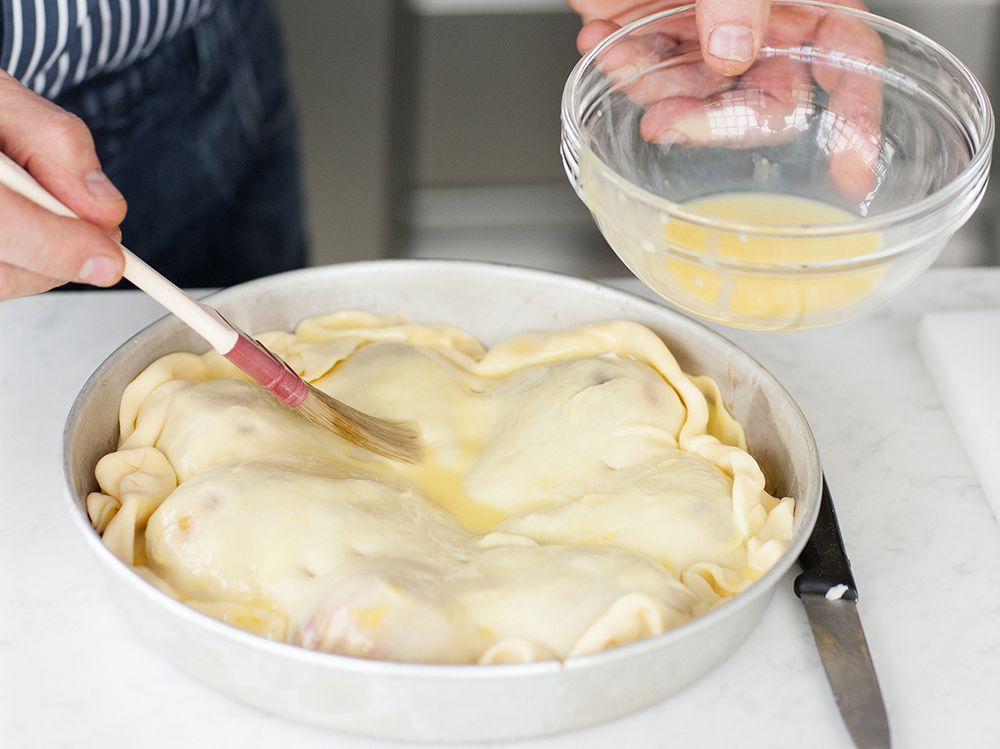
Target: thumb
[
  {"x": 57, "y": 149},
  {"x": 731, "y": 32}
]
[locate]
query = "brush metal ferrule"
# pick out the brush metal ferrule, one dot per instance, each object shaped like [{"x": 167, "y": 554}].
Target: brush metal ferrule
[{"x": 268, "y": 370}]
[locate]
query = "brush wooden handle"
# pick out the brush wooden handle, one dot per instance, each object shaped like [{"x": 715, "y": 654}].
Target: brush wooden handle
[
  {"x": 207, "y": 322},
  {"x": 395, "y": 441}
]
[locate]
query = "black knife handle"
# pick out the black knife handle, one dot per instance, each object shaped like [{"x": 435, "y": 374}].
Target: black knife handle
[{"x": 824, "y": 559}]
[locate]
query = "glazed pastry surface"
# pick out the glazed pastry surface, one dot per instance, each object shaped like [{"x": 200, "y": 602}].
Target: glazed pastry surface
[{"x": 577, "y": 491}]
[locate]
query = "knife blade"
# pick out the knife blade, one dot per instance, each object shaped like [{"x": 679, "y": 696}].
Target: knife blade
[{"x": 829, "y": 594}]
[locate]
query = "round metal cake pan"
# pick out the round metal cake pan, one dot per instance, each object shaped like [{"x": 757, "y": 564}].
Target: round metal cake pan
[{"x": 447, "y": 702}]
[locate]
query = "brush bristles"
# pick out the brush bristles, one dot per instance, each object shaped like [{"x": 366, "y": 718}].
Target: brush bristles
[{"x": 395, "y": 441}]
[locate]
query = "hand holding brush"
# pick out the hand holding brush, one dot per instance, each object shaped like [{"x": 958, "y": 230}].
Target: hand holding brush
[{"x": 391, "y": 440}]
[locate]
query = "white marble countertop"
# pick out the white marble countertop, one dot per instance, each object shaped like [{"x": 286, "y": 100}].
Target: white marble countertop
[{"x": 923, "y": 541}]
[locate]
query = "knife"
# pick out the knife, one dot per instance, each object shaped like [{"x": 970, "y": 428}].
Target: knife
[{"x": 826, "y": 587}]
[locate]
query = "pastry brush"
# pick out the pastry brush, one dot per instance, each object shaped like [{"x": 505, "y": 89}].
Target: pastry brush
[{"x": 391, "y": 440}]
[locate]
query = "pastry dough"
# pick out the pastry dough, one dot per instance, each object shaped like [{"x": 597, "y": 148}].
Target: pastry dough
[{"x": 577, "y": 491}]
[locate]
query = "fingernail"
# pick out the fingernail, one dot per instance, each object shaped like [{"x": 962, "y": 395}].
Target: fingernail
[
  {"x": 116, "y": 234},
  {"x": 670, "y": 137},
  {"x": 101, "y": 187},
  {"x": 99, "y": 271},
  {"x": 693, "y": 130},
  {"x": 731, "y": 43}
]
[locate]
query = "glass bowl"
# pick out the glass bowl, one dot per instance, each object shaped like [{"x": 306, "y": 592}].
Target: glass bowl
[{"x": 811, "y": 188}]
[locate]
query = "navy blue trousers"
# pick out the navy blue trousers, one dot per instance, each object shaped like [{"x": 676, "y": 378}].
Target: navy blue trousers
[{"x": 202, "y": 140}]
